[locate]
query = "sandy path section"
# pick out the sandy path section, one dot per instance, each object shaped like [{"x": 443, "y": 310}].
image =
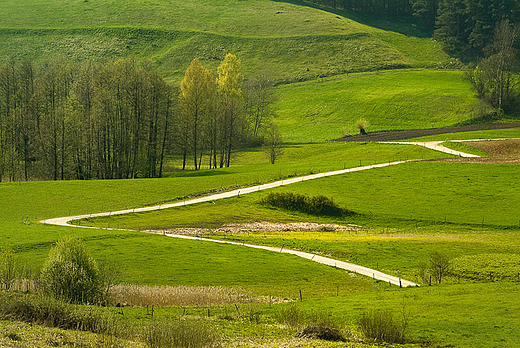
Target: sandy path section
[{"x": 437, "y": 146}]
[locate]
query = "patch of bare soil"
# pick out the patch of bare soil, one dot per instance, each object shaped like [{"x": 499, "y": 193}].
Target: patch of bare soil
[
  {"x": 500, "y": 152},
  {"x": 264, "y": 226},
  {"x": 415, "y": 133}
]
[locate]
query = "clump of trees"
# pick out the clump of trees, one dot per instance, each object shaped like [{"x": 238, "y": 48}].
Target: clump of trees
[
  {"x": 121, "y": 119},
  {"x": 464, "y": 27},
  {"x": 495, "y": 77}
]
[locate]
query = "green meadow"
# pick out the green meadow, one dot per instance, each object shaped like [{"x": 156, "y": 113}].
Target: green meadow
[
  {"x": 405, "y": 213},
  {"x": 388, "y": 100},
  {"x": 143, "y": 257}
]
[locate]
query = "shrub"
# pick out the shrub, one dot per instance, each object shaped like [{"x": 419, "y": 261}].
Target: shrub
[
  {"x": 362, "y": 125},
  {"x": 71, "y": 274},
  {"x": 291, "y": 315},
  {"x": 382, "y": 327},
  {"x": 322, "y": 328},
  {"x": 315, "y": 205},
  {"x": 182, "y": 333}
]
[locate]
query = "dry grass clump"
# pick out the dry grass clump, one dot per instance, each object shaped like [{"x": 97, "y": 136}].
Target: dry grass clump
[{"x": 142, "y": 295}]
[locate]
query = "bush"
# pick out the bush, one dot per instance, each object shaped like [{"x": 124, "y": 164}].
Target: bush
[
  {"x": 315, "y": 205},
  {"x": 71, "y": 274},
  {"x": 382, "y": 327},
  {"x": 322, "y": 328},
  {"x": 182, "y": 333}
]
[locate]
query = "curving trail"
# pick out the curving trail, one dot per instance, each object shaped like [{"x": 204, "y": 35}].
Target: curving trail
[
  {"x": 437, "y": 146},
  {"x": 434, "y": 145}
]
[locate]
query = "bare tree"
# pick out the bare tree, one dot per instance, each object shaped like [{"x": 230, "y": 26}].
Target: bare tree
[
  {"x": 273, "y": 143},
  {"x": 8, "y": 268},
  {"x": 259, "y": 96},
  {"x": 439, "y": 265}
]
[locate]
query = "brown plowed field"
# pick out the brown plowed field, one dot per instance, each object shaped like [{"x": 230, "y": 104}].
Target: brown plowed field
[
  {"x": 415, "y": 133},
  {"x": 499, "y": 151}
]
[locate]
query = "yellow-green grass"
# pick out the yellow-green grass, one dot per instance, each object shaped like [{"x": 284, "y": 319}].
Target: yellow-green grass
[
  {"x": 388, "y": 100},
  {"x": 17, "y": 334},
  {"x": 275, "y": 37},
  {"x": 459, "y": 315}
]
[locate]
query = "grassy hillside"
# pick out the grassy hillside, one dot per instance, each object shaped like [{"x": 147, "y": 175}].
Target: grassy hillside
[
  {"x": 389, "y": 100},
  {"x": 280, "y": 38}
]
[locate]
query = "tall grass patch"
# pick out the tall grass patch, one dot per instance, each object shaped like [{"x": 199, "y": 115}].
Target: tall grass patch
[
  {"x": 142, "y": 295},
  {"x": 181, "y": 333},
  {"x": 381, "y": 326}
]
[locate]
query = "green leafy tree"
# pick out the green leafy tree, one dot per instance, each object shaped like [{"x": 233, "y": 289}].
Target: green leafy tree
[
  {"x": 231, "y": 106},
  {"x": 196, "y": 101},
  {"x": 71, "y": 274}
]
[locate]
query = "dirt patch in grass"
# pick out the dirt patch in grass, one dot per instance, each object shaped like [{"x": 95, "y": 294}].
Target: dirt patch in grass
[
  {"x": 499, "y": 151},
  {"x": 263, "y": 226},
  {"x": 415, "y": 133}
]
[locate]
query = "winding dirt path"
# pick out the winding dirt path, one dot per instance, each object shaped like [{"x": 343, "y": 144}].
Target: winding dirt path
[
  {"x": 434, "y": 145},
  {"x": 437, "y": 146}
]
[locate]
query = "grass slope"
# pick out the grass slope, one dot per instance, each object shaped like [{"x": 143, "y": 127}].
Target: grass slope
[
  {"x": 276, "y": 37},
  {"x": 389, "y": 100}
]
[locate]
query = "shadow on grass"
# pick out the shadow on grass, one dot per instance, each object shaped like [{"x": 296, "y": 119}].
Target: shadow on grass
[{"x": 404, "y": 25}]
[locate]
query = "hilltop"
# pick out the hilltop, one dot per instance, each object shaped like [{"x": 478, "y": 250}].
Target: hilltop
[{"x": 288, "y": 41}]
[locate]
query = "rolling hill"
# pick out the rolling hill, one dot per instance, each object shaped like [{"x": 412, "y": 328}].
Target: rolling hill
[{"x": 289, "y": 41}]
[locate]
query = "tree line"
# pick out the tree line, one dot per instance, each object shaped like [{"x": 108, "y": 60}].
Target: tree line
[
  {"x": 121, "y": 119},
  {"x": 464, "y": 27}
]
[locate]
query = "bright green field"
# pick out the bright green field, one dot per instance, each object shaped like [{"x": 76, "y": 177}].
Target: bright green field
[
  {"x": 416, "y": 208},
  {"x": 275, "y": 37},
  {"x": 143, "y": 257},
  {"x": 466, "y": 315},
  {"x": 388, "y": 100},
  {"x": 426, "y": 193}
]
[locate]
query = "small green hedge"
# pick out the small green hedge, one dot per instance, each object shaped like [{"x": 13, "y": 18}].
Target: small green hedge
[{"x": 315, "y": 205}]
